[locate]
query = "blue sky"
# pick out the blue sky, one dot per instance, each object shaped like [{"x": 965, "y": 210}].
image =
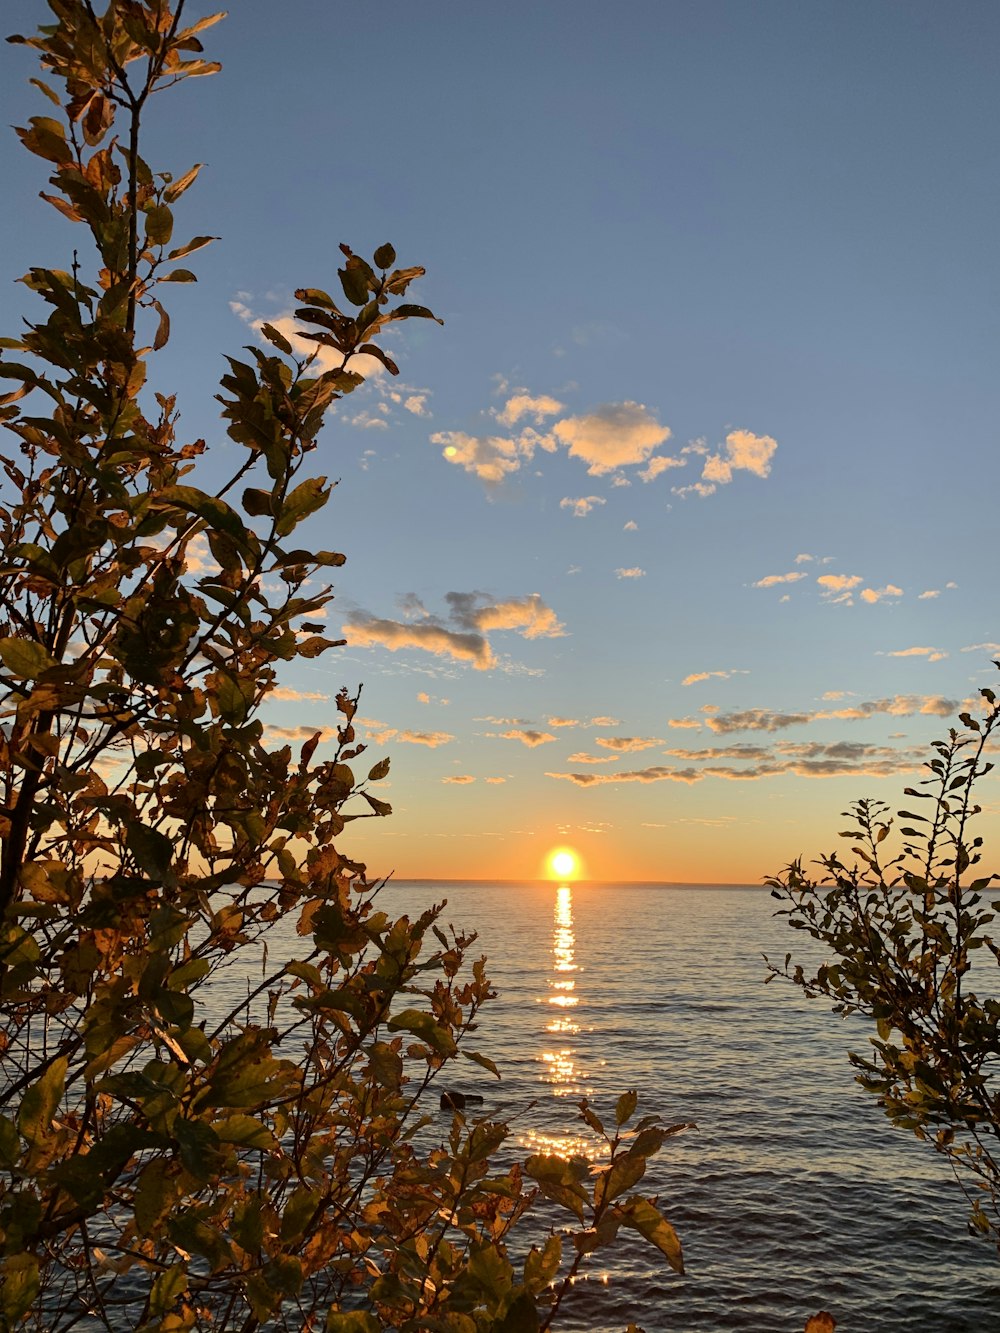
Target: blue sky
[{"x": 767, "y": 229}]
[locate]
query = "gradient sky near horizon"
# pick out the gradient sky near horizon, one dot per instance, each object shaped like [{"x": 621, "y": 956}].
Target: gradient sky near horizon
[{"x": 674, "y": 539}]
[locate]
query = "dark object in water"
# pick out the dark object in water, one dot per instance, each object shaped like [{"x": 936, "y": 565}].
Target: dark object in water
[{"x": 458, "y": 1101}]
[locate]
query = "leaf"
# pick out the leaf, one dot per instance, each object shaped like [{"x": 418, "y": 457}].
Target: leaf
[
  {"x": 426, "y": 1027},
  {"x": 559, "y": 1180},
  {"x": 275, "y": 337},
  {"x": 159, "y": 225},
  {"x": 245, "y": 1132},
  {"x": 176, "y": 188},
  {"x": 162, "y": 329},
  {"x": 821, "y": 1323},
  {"x": 483, "y": 1061},
  {"x": 19, "y": 1288},
  {"x": 153, "y": 851},
  {"x": 384, "y": 256},
  {"x": 645, "y": 1218},
  {"x": 541, "y": 1266},
  {"x": 168, "y": 1288},
  {"x": 24, "y": 658},
  {"x": 355, "y": 284},
  {"x": 625, "y": 1107},
  {"x": 304, "y": 500},
  {"x": 415, "y": 312},
  {"x": 198, "y": 243},
  {"x": 40, "y": 1102},
  {"x": 521, "y": 1316},
  {"x": 177, "y": 275},
  {"x": 380, "y": 807},
  {"x": 355, "y": 1321},
  {"x": 379, "y": 771}
]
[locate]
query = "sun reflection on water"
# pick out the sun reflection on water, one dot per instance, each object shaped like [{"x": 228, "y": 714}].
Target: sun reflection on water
[{"x": 560, "y": 1066}]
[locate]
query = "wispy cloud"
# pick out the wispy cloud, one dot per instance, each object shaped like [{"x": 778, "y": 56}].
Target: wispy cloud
[
  {"x": 583, "y": 505},
  {"x": 772, "y": 580},
  {"x": 563, "y": 721},
  {"x": 932, "y": 654},
  {"x": 605, "y": 721},
  {"x": 460, "y": 779},
  {"x": 631, "y": 526},
  {"x": 379, "y": 733},
  {"x": 696, "y": 677},
  {"x": 633, "y": 573},
  {"x": 765, "y": 719},
  {"x": 583, "y": 758},
  {"x": 527, "y": 736},
  {"x": 627, "y": 744},
  {"x": 297, "y": 696}
]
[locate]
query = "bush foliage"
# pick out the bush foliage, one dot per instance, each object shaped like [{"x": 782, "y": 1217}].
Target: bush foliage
[{"x": 167, "y": 1161}]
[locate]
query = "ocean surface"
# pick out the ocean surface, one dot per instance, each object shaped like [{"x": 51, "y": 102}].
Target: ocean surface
[{"x": 793, "y": 1194}]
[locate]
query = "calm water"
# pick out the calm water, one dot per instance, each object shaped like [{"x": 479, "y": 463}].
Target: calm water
[{"x": 793, "y": 1194}]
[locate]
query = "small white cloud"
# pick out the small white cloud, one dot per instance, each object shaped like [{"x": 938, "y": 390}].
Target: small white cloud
[
  {"x": 932, "y": 654},
  {"x": 928, "y": 593},
  {"x": 460, "y": 779},
  {"x": 659, "y": 464},
  {"x": 802, "y": 558},
  {"x": 417, "y": 404},
  {"x": 582, "y": 506},
  {"x": 631, "y": 526},
  {"x": 634, "y": 573}
]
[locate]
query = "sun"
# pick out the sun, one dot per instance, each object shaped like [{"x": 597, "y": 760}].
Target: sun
[{"x": 564, "y": 863}]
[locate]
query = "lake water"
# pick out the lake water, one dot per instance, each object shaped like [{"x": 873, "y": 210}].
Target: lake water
[{"x": 793, "y": 1194}]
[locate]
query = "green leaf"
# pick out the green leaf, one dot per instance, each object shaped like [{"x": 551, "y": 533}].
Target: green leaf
[
  {"x": 159, "y": 225},
  {"x": 355, "y": 285},
  {"x": 379, "y": 771},
  {"x": 177, "y": 275},
  {"x": 10, "y": 1144},
  {"x": 521, "y": 1316},
  {"x": 483, "y": 1061},
  {"x": 559, "y": 1179},
  {"x": 24, "y": 658},
  {"x": 542, "y": 1265},
  {"x": 168, "y": 1288},
  {"x": 245, "y": 1132},
  {"x": 19, "y": 1288},
  {"x": 384, "y": 256},
  {"x": 354, "y": 1321},
  {"x": 40, "y": 1102},
  {"x": 307, "y": 497},
  {"x": 643, "y": 1217},
  {"x": 426, "y": 1027},
  {"x": 276, "y": 338}
]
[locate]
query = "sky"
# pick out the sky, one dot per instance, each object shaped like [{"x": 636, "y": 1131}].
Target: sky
[{"x": 672, "y": 541}]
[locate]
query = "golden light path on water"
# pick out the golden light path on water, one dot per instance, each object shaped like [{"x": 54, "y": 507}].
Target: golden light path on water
[{"x": 559, "y": 1056}]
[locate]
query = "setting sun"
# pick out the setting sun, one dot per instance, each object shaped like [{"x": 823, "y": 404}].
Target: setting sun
[{"x": 563, "y": 862}]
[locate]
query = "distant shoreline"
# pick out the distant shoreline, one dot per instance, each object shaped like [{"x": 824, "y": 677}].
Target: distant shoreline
[{"x": 586, "y": 883}]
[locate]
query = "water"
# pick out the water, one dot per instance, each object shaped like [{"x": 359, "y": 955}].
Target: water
[{"x": 794, "y": 1194}]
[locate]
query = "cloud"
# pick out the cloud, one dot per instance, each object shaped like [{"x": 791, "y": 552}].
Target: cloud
[
  {"x": 581, "y": 758},
  {"x": 495, "y": 781},
  {"x": 605, "y": 721},
  {"x": 831, "y": 583},
  {"x": 633, "y": 573},
  {"x": 523, "y": 404},
  {"x": 460, "y": 779},
  {"x": 932, "y": 654},
  {"x": 490, "y": 457},
  {"x": 613, "y": 435},
  {"x": 627, "y": 744},
  {"x": 802, "y": 558},
  {"x": 833, "y": 695},
  {"x": 473, "y": 616},
  {"x": 379, "y": 733},
  {"x": 431, "y": 738},
  {"x": 423, "y": 697},
  {"x": 764, "y": 719},
  {"x": 659, "y": 464},
  {"x": 563, "y": 721},
  {"x": 303, "y": 733},
  {"x": 417, "y": 404},
  {"x": 528, "y": 615},
  {"x": 873, "y": 595},
  {"x": 285, "y": 692},
  {"x": 631, "y": 526},
  {"x": 697, "y": 676},
  {"x": 684, "y": 723},
  {"x": 527, "y": 737},
  {"x": 583, "y": 505},
  {"x": 772, "y": 580},
  {"x": 743, "y": 452},
  {"x": 365, "y": 631},
  {"x": 928, "y": 593},
  {"x": 982, "y": 648}
]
